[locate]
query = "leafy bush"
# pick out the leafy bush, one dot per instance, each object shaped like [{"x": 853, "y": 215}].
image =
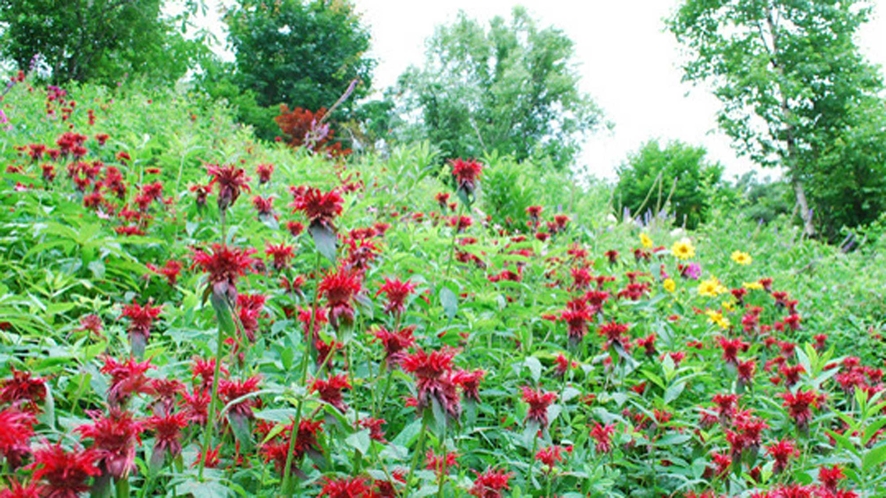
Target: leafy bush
[{"x": 672, "y": 178}]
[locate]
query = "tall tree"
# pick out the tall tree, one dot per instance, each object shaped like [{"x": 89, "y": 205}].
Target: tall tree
[
  {"x": 793, "y": 86},
  {"x": 82, "y": 40},
  {"x": 302, "y": 53},
  {"x": 510, "y": 88}
]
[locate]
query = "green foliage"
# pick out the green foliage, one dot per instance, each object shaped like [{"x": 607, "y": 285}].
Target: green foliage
[
  {"x": 672, "y": 178},
  {"x": 510, "y": 88},
  {"x": 96, "y": 40},
  {"x": 764, "y": 200},
  {"x": 796, "y": 92},
  {"x": 302, "y": 53}
]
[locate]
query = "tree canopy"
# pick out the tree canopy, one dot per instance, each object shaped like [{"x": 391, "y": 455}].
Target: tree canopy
[
  {"x": 511, "y": 88},
  {"x": 299, "y": 53},
  {"x": 796, "y": 92},
  {"x": 95, "y": 40}
]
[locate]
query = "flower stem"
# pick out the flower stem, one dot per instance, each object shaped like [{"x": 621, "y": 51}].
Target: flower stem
[
  {"x": 213, "y": 400},
  {"x": 418, "y": 450}
]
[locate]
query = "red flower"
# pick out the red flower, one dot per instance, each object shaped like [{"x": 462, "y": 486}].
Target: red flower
[
  {"x": 396, "y": 291},
  {"x": 17, "y": 490},
  {"x": 782, "y": 451},
  {"x": 141, "y": 318},
  {"x": 305, "y": 441},
  {"x": 466, "y": 174},
  {"x": 563, "y": 364},
  {"x": 225, "y": 264},
  {"x": 614, "y": 333},
  {"x": 229, "y": 390},
  {"x": 731, "y": 348},
  {"x": 295, "y": 228},
  {"x": 798, "y": 405},
  {"x": 264, "y": 173},
  {"x": 23, "y": 389},
  {"x": 65, "y": 472},
  {"x": 469, "y": 383},
  {"x": 320, "y": 208},
  {"x": 114, "y": 438},
  {"x": 339, "y": 289},
  {"x": 167, "y": 432},
  {"x": 127, "y": 378},
  {"x": 725, "y": 406},
  {"x": 395, "y": 342},
  {"x": 330, "y": 390},
  {"x": 576, "y": 316},
  {"x": 433, "y": 379},
  {"x": 16, "y": 429},
  {"x": 375, "y": 430},
  {"x": 355, "y": 487},
  {"x": 552, "y": 455},
  {"x": 170, "y": 270},
  {"x": 830, "y": 477},
  {"x": 280, "y": 254},
  {"x": 602, "y": 434},
  {"x": 264, "y": 206},
  {"x": 230, "y": 180},
  {"x": 205, "y": 369},
  {"x": 208, "y": 457},
  {"x": 539, "y": 401},
  {"x": 490, "y": 484}
]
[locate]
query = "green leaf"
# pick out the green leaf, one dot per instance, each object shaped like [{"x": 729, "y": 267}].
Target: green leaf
[
  {"x": 360, "y": 441},
  {"x": 449, "y": 301},
  {"x": 673, "y": 392},
  {"x": 325, "y": 240},
  {"x": 534, "y": 367},
  {"x": 874, "y": 457}
]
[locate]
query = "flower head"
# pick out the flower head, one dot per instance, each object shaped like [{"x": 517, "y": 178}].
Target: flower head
[
  {"x": 490, "y": 484},
  {"x": 114, "y": 438},
  {"x": 141, "y": 318},
  {"x": 466, "y": 173},
  {"x": 16, "y": 429},
  {"x": 319, "y": 207},
  {"x": 395, "y": 342},
  {"x": 683, "y": 249},
  {"x": 127, "y": 378},
  {"x": 224, "y": 265},
  {"x": 741, "y": 258},
  {"x": 66, "y": 472},
  {"x": 433, "y": 379},
  {"x": 330, "y": 390},
  {"x": 230, "y": 180},
  {"x": 339, "y": 289},
  {"x": 167, "y": 431},
  {"x": 396, "y": 291},
  {"x": 355, "y": 487},
  {"x": 602, "y": 434},
  {"x": 539, "y": 401}
]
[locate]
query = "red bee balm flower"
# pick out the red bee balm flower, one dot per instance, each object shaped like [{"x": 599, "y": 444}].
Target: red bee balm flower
[
  {"x": 433, "y": 379},
  {"x": 339, "y": 289},
  {"x": 330, "y": 390},
  {"x": 127, "y": 378},
  {"x": 539, "y": 401},
  {"x": 782, "y": 451},
  {"x": 224, "y": 264},
  {"x": 167, "y": 431},
  {"x": 320, "y": 208},
  {"x": 230, "y": 180},
  {"x": 346, "y": 488},
  {"x": 798, "y": 405},
  {"x": 114, "y": 439},
  {"x": 490, "y": 484},
  {"x": 396, "y": 292},
  {"x": 65, "y": 472},
  {"x": 466, "y": 174},
  {"x": 16, "y": 429},
  {"x": 602, "y": 434},
  {"x": 23, "y": 389},
  {"x": 141, "y": 318},
  {"x": 395, "y": 342},
  {"x": 280, "y": 254}
]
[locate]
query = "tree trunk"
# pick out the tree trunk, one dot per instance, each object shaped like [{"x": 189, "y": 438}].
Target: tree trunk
[{"x": 805, "y": 212}]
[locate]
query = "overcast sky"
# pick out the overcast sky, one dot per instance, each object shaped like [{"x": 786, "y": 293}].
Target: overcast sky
[{"x": 627, "y": 61}]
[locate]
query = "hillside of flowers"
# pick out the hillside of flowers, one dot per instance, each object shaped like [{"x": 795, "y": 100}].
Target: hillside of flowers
[{"x": 185, "y": 311}]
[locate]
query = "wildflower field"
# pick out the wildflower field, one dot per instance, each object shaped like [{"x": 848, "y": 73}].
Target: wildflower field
[{"x": 185, "y": 311}]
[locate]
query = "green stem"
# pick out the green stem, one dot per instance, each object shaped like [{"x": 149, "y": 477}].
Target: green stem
[
  {"x": 454, "y": 237},
  {"x": 306, "y": 358},
  {"x": 213, "y": 400},
  {"x": 421, "y": 441},
  {"x": 122, "y": 487}
]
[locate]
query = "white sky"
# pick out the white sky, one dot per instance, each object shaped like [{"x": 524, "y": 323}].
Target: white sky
[{"x": 627, "y": 61}]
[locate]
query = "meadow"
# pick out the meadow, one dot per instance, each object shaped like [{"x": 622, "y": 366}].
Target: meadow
[{"x": 185, "y": 310}]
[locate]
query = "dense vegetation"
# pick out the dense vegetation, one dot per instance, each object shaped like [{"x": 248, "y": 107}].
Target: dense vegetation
[
  {"x": 160, "y": 269},
  {"x": 256, "y": 283}
]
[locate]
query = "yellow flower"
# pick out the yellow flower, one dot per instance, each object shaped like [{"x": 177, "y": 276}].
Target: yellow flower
[
  {"x": 741, "y": 258},
  {"x": 669, "y": 285},
  {"x": 729, "y": 304},
  {"x": 711, "y": 288},
  {"x": 683, "y": 249},
  {"x": 752, "y": 285},
  {"x": 717, "y": 318},
  {"x": 645, "y": 241}
]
